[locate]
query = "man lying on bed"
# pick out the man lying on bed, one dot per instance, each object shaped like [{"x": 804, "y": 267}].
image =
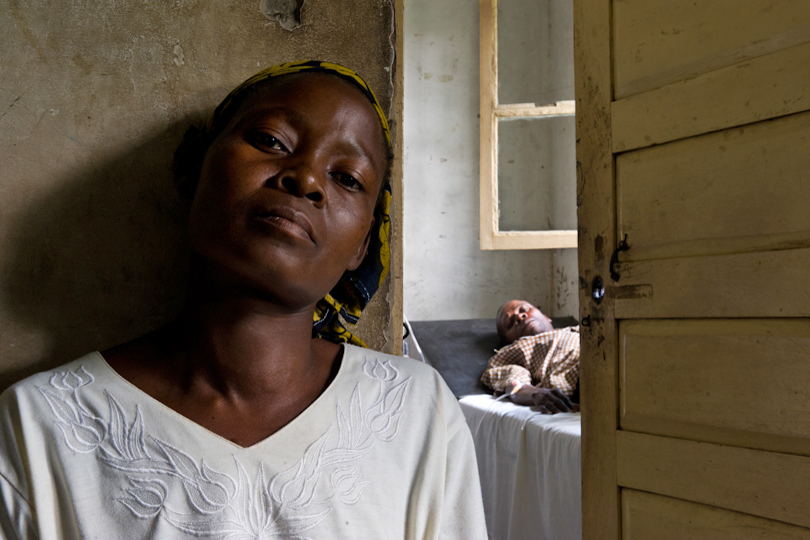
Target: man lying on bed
[{"x": 539, "y": 366}]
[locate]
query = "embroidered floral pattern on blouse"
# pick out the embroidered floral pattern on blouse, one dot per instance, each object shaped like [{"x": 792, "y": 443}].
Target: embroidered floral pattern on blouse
[{"x": 231, "y": 506}]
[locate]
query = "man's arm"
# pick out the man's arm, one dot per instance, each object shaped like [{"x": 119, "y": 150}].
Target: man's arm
[
  {"x": 508, "y": 365},
  {"x": 497, "y": 377},
  {"x": 548, "y": 401}
]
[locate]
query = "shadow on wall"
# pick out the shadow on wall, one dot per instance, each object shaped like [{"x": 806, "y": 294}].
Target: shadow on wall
[{"x": 101, "y": 259}]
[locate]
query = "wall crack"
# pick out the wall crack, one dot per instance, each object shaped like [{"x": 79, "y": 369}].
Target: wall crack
[{"x": 286, "y": 12}]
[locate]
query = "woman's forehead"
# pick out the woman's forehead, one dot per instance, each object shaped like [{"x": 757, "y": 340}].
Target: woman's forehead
[
  {"x": 312, "y": 92},
  {"x": 298, "y": 86}
]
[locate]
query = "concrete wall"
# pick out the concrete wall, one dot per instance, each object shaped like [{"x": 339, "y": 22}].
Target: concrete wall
[
  {"x": 94, "y": 97},
  {"x": 446, "y": 275}
]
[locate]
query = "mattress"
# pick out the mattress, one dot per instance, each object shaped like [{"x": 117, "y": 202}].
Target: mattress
[{"x": 530, "y": 469}]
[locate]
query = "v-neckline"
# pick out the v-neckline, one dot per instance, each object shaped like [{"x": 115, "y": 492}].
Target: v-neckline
[{"x": 345, "y": 348}]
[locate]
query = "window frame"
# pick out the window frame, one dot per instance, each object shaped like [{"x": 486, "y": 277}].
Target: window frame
[{"x": 490, "y": 236}]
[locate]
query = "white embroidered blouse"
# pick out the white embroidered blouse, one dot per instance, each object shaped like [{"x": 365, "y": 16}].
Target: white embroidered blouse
[{"x": 383, "y": 453}]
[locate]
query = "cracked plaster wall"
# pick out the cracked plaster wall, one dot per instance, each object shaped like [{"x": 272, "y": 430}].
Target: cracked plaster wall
[{"x": 94, "y": 97}]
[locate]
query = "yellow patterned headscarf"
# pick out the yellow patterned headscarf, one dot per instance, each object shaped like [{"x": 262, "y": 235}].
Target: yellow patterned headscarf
[{"x": 355, "y": 289}]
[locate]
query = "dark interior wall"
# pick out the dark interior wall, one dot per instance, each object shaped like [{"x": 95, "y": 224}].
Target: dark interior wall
[{"x": 94, "y": 97}]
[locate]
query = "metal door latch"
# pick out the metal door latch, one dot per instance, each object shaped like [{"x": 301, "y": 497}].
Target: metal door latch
[{"x": 615, "y": 258}]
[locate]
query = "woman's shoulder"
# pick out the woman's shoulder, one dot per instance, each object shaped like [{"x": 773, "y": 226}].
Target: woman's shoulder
[
  {"x": 418, "y": 383},
  {"x": 29, "y": 407},
  {"x": 70, "y": 376},
  {"x": 379, "y": 365}
]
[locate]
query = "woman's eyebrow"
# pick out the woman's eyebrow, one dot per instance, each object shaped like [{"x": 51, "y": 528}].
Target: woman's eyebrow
[
  {"x": 348, "y": 146},
  {"x": 353, "y": 148},
  {"x": 289, "y": 115}
]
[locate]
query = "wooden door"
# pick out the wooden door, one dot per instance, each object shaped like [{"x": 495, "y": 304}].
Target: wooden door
[{"x": 693, "y": 143}]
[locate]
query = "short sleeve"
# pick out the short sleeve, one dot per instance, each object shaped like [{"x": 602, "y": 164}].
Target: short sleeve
[
  {"x": 508, "y": 365},
  {"x": 445, "y": 501},
  {"x": 16, "y": 516},
  {"x": 497, "y": 377},
  {"x": 463, "y": 513},
  {"x": 16, "y": 521}
]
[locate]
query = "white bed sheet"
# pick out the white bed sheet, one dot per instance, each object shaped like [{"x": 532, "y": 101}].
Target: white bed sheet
[{"x": 531, "y": 475}]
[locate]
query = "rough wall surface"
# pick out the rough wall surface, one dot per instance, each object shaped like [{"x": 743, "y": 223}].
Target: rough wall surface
[
  {"x": 94, "y": 97},
  {"x": 446, "y": 275}
]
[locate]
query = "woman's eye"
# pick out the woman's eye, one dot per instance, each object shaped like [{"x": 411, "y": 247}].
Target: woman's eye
[
  {"x": 347, "y": 181},
  {"x": 266, "y": 141}
]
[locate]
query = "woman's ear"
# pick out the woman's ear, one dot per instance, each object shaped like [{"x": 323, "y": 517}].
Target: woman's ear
[{"x": 362, "y": 251}]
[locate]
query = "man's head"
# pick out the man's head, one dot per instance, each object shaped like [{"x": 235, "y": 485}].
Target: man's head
[{"x": 518, "y": 318}]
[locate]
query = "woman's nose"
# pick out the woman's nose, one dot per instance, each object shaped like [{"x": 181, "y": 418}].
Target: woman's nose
[{"x": 302, "y": 180}]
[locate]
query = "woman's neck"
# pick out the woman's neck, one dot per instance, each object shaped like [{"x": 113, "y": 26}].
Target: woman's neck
[
  {"x": 237, "y": 365},
  {"x": 243, "y": 345}
]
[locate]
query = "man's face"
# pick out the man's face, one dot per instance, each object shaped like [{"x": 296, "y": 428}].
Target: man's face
[{"x": 518, "y": 318}]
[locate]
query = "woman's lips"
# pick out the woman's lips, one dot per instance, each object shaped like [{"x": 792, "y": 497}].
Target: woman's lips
[{"x": 286, "y": 219}]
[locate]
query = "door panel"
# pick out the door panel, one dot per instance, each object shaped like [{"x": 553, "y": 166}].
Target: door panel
[
  {"x": 716, "y": 200},
  {"x": 765, "y": 484},
  {"x": 657, "y": 42},
  {"x": 759, "y": 89},
  {"x": 648, "y": 516},
  {"x": 759, "y": 284},
  {"x": 691, "y": 379}
]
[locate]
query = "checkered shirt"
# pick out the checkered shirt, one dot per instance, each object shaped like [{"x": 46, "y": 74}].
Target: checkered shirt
[{"x": 548, "y": 360}]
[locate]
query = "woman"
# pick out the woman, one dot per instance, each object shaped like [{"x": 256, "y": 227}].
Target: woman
[{"x": 237, "y": 420}]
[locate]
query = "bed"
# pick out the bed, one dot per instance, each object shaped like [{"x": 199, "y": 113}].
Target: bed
[{"x": 529, "y": 463}]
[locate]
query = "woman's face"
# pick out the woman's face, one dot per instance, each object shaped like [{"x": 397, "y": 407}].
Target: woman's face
[{"x": 287, "y": 191}]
